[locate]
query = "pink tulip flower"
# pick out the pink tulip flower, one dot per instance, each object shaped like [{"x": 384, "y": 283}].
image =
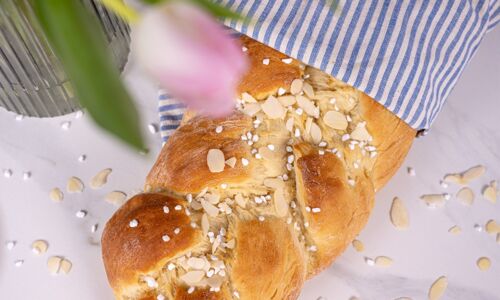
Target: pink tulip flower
[{"x": 191, "y": 55}]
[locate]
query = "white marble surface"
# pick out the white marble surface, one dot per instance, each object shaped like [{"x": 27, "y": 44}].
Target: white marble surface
[{"x": 466, "y": 133}]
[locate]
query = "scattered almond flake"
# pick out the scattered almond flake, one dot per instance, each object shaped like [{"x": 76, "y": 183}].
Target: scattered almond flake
[
  {"x": 240, "y": 200},
  {"x": 434, "y": 200},
  {"x": 307, "y": 105},
  {"x": 58, "y": 265},
  {"x": 116, "y": 198},
  {"x": 399, "y": 214},
  {"x": 498, "y": 238},
  {"x": 26, "y": 175},
  {"x": 369, "y": 261},
  {"x": 39, "y": 247},
  {"x": 56, "y": 195},
  {"x": 465, "y": 195},
  {"x": 94, "y": 227},
  {"x": 438, "y": 288},
  {"x": 7, "y": 173},
  {"x": 215, "y": 160},
  {"x": 315, "y": 132},
  {"x": 296, "y": 86},
  {"x": 153, "y": 128},
  {"x": 280, "y": 204},
  {"x": 287, "y": 100},
  {"x": 358, "y": 245},
  {"x": 193, "y": 277},
  {"x": 74, "y": 185},
  {"x": 490, "y": 193},
  {"x": 65, "y": 125},
  {"x": 411, "y": 171},
  {"x": 308, "y": 90},
  {"x": 81, "y": 214},
  {"x": 335, "y": 120},
  {"x": 492, "y": 227},
  {"x": 383, "y": 261},
  {"x": 251, "y": 109},
  {"x": 10, "y": 245},
  {"x": 483, "y": 263},
  {"x": 466, "y": 176},
  {"x": 202, "y": 193},
  {"x": 287, "y": 60},
  {"x": 265, "y": 61},
  {"x": 360, "y": 133},
  {"x": 18, "y": 263},
  {"x": 211, "y": 210},
  {"x": 273, "y": 108},
  {"x": 133, "y": 223},
  {"x": 455, "y": 230}
]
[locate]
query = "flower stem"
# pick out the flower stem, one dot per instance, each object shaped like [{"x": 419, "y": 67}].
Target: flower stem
[{"x": 121, "y": 9}]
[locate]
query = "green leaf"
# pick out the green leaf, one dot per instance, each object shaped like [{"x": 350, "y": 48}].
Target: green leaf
[{"x": 79, "y": 43}]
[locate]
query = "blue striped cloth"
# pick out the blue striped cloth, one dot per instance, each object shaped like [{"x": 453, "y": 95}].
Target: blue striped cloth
[{"x": 407, "y": 55}]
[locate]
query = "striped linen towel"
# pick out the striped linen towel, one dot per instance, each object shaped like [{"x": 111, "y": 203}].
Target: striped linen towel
[{"x": 407, "y": 55}]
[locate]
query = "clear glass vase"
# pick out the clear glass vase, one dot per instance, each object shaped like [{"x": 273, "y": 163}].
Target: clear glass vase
[{"x": 32, "y": 81}]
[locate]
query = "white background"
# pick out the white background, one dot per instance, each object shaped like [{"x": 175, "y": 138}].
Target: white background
[{"x": 466, "y": 133}]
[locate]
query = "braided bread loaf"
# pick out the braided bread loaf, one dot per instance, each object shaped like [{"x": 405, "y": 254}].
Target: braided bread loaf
[{"x": 252, "y": 205}]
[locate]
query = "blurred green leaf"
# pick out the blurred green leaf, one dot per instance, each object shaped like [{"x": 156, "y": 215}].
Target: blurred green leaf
[
  {"x": 79, "y": 43},
  {"x": 219, "y": 11}
]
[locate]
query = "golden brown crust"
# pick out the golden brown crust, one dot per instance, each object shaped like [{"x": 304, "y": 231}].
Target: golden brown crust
[
  {"x": 130, "y": 252},
  {"x": 268, "y": 262},
  {"x": 272, "y": 255}
]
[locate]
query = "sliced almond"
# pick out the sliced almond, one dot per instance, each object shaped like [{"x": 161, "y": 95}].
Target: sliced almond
[
  {"x": 215, "y": 281},
  {"x": 100, "y": 179},
  {"x": 216, "y": 244},
  {"x": 215, "y": 160},
  {"x": 213, "y": 198},
  {"x": 58, "y": 265},
  {"x": 473, "y": 173},
  {"x": 289, "y": 124},
  {"x": 231, "y": 162},
  {"x": 246, "y": 97},
  {"x": 251, "y": 109},
  {"x": 453, "y": 178},
  {"x": 240, "y": 200},
  {"x": 205, "y": 225},
  {"x": 296, "y": 86},
  {"x": 466, "y": 195},
  {"x": 383, "y": 261},
  {"x": 358, "y": 245},
  {"x": 116, "y": 198},
  {"x": 490, "y": 194},
  {"x": 308, "y": 90},
  {"x": 196, "y": 263},
  {"x": 483, "y": 263},
  {"x": 287, "y": 100},
  {"x": 309, "y": 121},
  {"x": 231, "y": 243},
  {"x": 274, "y": 183},
  {"x": 280, "y": 204},
  {"x": 434, "y": 200},
  {"x": 266, "y": 153},
  {"x": 316, "y": 134},
  {"x": 492, "y": 227},
  {"x": 438, "y": 288},
  {"x": 399, "y": 214},
  {"x": 498, "y": 238},
  {"x": 307, "y": 105},
  {"x": 210, "y": 209},
  {"x": 74, "y": 185},
  {"x": 455, "y": 230},
  {"x": 335, "y": 120},
  {"x": 360, "y": 133},
  {"x": 273, "y": 108},
  {"x": 192, "y": 277},
  {"x": 39, "y": 247},
  {"x": 56, "y": 195}
]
